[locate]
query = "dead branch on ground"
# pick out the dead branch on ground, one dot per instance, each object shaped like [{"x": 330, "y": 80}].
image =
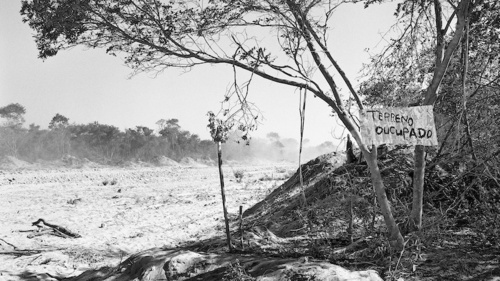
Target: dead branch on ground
[
  {"x": 18, "y": 252},
  {"x": 55, "y": 230}
]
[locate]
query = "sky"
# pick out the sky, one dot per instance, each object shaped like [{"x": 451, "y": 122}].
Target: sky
[{"x": 87, "y": 85}]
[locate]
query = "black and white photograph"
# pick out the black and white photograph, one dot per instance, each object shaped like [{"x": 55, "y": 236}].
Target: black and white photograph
[{"x": 250, "y": 140}]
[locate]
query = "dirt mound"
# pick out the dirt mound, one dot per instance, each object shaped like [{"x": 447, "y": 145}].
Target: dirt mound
[
  {"x": 11, "y": 162},
  {"x": 329, "y": 186},
  {"x": 188, "y": 161},
  {"x": 164, "y": 161},
  {"x": 208, "y": 162}
]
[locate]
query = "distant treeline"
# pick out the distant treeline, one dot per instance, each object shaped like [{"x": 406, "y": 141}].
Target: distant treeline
[{"x": 108, "y": 144}]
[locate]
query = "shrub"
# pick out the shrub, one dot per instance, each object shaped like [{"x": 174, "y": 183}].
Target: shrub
[
  {"x": 236, "y": 272},
  {"x": 239, "y": 174}
]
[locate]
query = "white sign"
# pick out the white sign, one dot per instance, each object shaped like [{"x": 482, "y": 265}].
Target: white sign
[{"x": 403, "y": 125}]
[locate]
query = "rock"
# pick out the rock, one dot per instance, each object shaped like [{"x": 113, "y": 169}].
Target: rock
[
  {"x": 183, "y": 264},
  {"x": 319, "y": 271}
]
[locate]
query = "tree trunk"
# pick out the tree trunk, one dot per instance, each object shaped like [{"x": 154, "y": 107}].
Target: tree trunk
[
  {"x": 349, "y": 152},
  {"x": 442, "y": 60},
  {"x": 223, "y": 195},
  {"x": 395, "y": 238},
  {"x": 241, "y": 228},
  {"x": 302, "y": 112},
  {"x": 464, "y": 90},
  {"x": 418, "y": 188}
]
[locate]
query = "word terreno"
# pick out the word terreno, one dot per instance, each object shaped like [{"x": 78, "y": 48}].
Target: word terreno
[{"x": 391, "y": 117}]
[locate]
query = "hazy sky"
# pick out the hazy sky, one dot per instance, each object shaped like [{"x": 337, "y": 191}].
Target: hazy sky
[{"x": 88, "y": 85}]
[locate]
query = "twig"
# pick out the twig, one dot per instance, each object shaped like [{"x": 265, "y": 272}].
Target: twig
[
  {"x": 40, "y": 233},
  {"x": 350, "y": 246},
  {"x": 31, "y": 262},
  {"x": 400, "y": 256},
  {"x": 21, "y": 252},
  {"x": 295, "y": 230},
  {"x": 13, "y": 246}
]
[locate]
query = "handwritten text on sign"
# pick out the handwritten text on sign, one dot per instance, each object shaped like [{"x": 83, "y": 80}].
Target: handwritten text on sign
[{"x": 403, "y": 125}]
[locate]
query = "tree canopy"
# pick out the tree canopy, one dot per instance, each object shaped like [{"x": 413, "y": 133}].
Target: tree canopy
[
  {"x": 13, "y": 113},
  {"x": 154, "y": 35},
  {"x": 58, "y": 121}
]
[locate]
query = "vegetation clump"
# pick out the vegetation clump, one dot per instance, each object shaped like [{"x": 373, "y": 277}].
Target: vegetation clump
[
  {"x": 238, "y": 175},
  {"x": 236, "y": 272}
]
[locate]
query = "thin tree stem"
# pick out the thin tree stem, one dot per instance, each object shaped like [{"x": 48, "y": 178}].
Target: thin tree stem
[
  {"x": 302, "y": 112},
  {"x": 223, "y": 195},
  {"x": 464, "y": 89}
]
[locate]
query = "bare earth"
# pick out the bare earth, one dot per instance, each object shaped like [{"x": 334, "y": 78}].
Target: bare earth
[{"x": 117, "y": 211}]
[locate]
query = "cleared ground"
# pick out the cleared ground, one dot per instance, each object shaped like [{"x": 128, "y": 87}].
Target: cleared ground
[{"x": 117, "y": 211}]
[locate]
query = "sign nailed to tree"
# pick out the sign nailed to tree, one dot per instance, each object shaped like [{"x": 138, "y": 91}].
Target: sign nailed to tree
[{"x": 403, "y": 125}]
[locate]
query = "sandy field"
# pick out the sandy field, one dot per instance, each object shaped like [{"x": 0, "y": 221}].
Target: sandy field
[{"x": 117, "y": 212}]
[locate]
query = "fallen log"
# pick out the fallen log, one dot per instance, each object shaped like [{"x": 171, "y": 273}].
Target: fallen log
[{"x": 59, "y": 230}]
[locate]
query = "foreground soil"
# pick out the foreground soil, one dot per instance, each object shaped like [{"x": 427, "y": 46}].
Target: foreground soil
[
  {"x": 117, "y": 212},
  {"x": 151, "y": 223}
]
